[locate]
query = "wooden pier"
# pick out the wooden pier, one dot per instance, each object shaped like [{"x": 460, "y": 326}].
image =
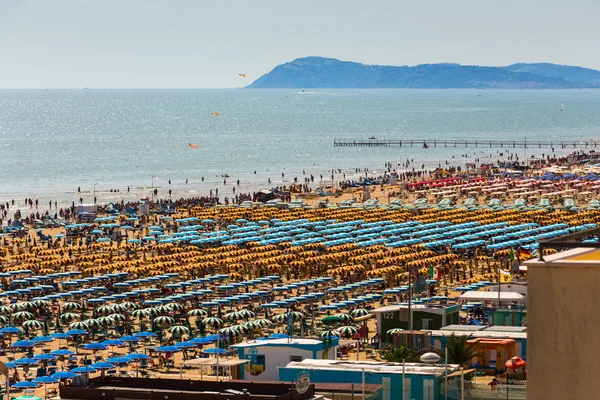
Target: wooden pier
[{"x": 501, "y": 144}]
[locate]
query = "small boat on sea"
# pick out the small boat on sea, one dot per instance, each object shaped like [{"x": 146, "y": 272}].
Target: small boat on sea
[{"x": 372, "y": 137}]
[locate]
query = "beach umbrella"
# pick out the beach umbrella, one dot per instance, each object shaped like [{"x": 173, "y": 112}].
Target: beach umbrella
[
  {"x": 117, "y": 317},
  {"x": 94, "y": 346},
  {"x": 42, "y": 339},
  {"x": 394, "y": 331},
  {"x": 69, "y": 317},
  {"x": 265, "y": 323},
  {"x": 330, "y": 333},
  {"x": 252, "y": 325},
  {"x": 138, "y": 356},
  {"x": 129, "y": 339},
  {"x": 119, "y": 360},
  {"x": 175, "y": 307},
  {"x": 214, "y": 350},
  {"x": 359, "y": 312},
  {"x": 25, "y": 385},
  {"x": 102, "y": 366},
  {"x": 23, "y": 315},
  {"x": 62, "y": 352},
  {"x": 71, "y": 305},
  {"x": 113, "y": 342},
  {"x": 178, "y": 330},
  {"x": 246, "y": 314},
  {"x": 229, "y": 331},
  {"x": 145, "y": 334},
  {"x": 45, "y": 380},
  {"x": 212, "y": 321},
  {"x": 26, "y": 361},
  {"x": 233, "y": 316},
  {"x": 197, "y": 312},
  {"x": 345, "y": 317},
  {"x": 140, "y": 314},
  {"x": 76, "y": 332},
  {"x": 84, "y": 370},
  {"x": 32, "y": 324},
  {"x": 79, "y": 326},
  {"x": 104, "y": 309},
  {"x": 348, "y": 330},
  {"x": 44, "y": 357},
  {"x": 163, "y": 320},
  {"x": 167, "y": 349},
  {"x": 23, "y": 344},
  {"x": 41, "y": 303}
]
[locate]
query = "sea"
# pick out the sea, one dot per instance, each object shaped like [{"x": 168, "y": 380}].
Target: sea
[{"x": 56, "y": 142}]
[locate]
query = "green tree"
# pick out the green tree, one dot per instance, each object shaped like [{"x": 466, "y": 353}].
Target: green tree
[
  {"x": 399, "y": 353},
  {"x": 459, "y": 350}
]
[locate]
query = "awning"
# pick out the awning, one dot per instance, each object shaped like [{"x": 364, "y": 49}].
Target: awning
[{"x": 475, "y": 295}]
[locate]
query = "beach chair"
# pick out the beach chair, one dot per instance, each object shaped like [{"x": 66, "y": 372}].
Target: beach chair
[
  {"x": 421, "y": 203},
  {"x": 593, "y": 205},
  {"x": 569, "y": 204},
  {"x": 445, "y": 203}
]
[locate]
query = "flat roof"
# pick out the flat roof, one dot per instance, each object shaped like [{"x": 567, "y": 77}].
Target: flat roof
[
  {"x": 490, "y": 296},
  {"x": 373, "y": 367},
  {"x": 223, "y": 362},
  {"x": 279, "y": 342},
  {"x": 580, "y": 256},
  {"x": 434, "y": 309},
  {"x": 468, "y": 328},
  {"x": 332, "y": 387},
  {"x": 482, "y": 334}
]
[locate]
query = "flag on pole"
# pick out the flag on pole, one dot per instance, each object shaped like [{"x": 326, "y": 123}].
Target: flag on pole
[
  {"x": 504, "y": 276},
  {"x": 524, "y": 253},
  {"x": 511, "y": 254}
]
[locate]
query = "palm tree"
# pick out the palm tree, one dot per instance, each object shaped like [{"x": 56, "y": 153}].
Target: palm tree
[
  {"x": 459, "y": 350},
  {"x": 399, "y": 354}
]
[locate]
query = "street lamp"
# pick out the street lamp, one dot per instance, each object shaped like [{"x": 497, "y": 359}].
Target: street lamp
[
  {"x": 153, "y": 188},
  {"x": 95, "y": 184}
]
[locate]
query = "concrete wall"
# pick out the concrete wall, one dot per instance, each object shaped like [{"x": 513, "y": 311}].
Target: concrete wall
[{"x": 563, "y": 328}]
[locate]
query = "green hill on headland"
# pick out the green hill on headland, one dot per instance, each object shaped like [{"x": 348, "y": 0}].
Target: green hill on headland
[{"x": 318, "y": 72}]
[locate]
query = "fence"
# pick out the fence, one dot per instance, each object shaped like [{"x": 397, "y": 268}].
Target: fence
[{"x": 474, "y": 391}]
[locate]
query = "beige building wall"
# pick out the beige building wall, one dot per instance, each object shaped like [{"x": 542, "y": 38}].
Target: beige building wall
[{"x": 563, "y": 329}]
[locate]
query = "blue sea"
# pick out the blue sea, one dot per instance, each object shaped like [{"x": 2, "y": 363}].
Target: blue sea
[{"x": 54, "y": 141}]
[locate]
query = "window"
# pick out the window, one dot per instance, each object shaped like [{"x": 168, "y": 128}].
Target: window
[
  {"x": 295, "y": 358},
  {"x": 427, "y": 324}
]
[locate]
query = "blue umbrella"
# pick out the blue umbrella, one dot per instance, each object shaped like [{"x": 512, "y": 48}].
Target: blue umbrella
[
  {"x": 64, "y": 375},
  {"x": 145, "y": 334},
  {"x": 113, "y": 342},
  {"x": 128, "y": 339},
  {"x": 214, "y": 350},
  {"x": 23, "y": 344},
  {"x": 26, "y": 361},
  {"x": 83, "y": 370},
  {"x": 102, "y": 365},
  {"x": 25, "y": 385},
  {"x": 167, "y": 349},
  {"x": 200, "y": 340},
  {"x": 46, "y": 379},
  {"x": 75, "y": 332},
  {"x": 42, "y": 339},
  {"x": 119, "y": 360},
  {"x": 9, "y": 330},
  {"x": 60, "y": 335},
  {"x": 138, "y": 356},
  {"x": 11, "y": 364},
  {"x": 44, "y": 357},
  {"x": 62, "y": 352},
  {"x": 94, "y": 346}
]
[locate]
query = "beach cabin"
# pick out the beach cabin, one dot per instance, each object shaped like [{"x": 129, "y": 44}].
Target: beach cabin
[
  {"x": 424, "y": 317},
  {"x": 267, "y": 356},
  {"x": 421, "y": 381}
]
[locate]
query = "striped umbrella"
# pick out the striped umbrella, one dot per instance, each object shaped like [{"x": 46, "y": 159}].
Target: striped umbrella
[
  {"x": 347, "y": 330},
  {"x": 265, "y": 323},
  {"x": 281, "y": 318},
  {"x": 5, "y": 310},
  {"x": 175, "y": 306},
  {"x": 241, "y": 328},
  {"x": 140, "y": 314},
  {"x": 163, "y": 309},
  {"x": 33, "y": 324},
  {"x": 105, "y": 310},
  {"x": 330, "y": 333},
  {"x": 100, "y": 321},
  {"x": 197, "y": 312},
  {"x": 117, "y": 317},
  {"x": 229, "y": 331},
  {"x": 212, "y": 321},
  {"x": 27, "y": 305},
  {"x": 151, "y": 311},
  {"x": 128, "y": 305},
  {"x": 79, "y": 325},
  {"x": 359, "y": 312},
  {"x": 71, "y": 305},
  {"x": 23, "y": 315},
  {"x": 178, "y": 330},
  {"x": 69, "y": 317},
  {"x": 4, "y": 320},
  {"x": 247, "y": 314},
  {"x": 394, "y": 331},
  {"x": 345, "y": 317},
  {"x": 17, "y": 307},
  {"x": 233, "y": 316},
  {"x": 163, "y": 320},
  {"x": 41, "y": 303},
  {"x": 253, "y": 326}
]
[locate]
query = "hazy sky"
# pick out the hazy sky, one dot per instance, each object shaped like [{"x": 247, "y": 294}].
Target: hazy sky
[{"x": 197, "y": 44}]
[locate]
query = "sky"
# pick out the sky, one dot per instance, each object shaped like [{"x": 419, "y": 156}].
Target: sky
[{"x": 202, "y": 44}]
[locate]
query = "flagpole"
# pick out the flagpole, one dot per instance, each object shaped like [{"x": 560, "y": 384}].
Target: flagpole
[{"x": 499, "y": 278}]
